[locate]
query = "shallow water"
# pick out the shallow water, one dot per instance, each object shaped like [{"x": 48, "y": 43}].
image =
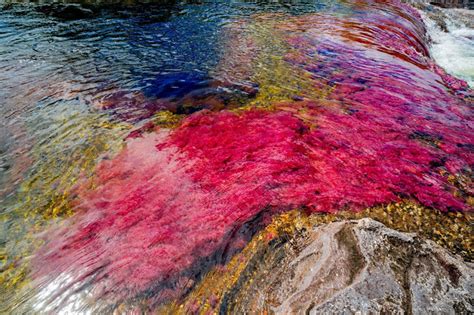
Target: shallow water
[{"x": 143, "y": 145}]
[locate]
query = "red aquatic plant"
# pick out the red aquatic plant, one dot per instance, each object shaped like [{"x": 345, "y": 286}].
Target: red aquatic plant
[{"x": 172, "y": 203}]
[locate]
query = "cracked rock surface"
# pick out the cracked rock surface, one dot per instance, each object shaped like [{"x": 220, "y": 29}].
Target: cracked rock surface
[{"x": 357, "y": 266}]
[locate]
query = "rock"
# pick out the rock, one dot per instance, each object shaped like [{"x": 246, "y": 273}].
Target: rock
[
  {"x": 354, "y": 267},
  {"x": 452, "y": 3},
  {"x": 462, "y": 17},
  {"x": 66, "y": 11}
]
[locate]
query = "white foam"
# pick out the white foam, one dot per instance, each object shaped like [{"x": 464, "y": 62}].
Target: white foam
[{"x": 452, "y": 50}]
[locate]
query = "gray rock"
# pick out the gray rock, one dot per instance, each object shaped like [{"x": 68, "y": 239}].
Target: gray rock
[
  {"x": 452, "y": 3},
  {"x": 356, "y": 267}
]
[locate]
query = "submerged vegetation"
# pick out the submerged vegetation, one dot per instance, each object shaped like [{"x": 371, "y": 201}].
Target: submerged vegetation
[{"x": 151, "y": 155}]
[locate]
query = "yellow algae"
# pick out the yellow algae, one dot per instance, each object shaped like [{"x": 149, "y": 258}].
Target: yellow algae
[
  {"x": 46, "y": 190},
  {"x": 167, "y": 119},
  {"x": 214, "y": 285},
  {"x": 257, "y": 52},
  {"x": 69, "y": 155},
  {"x": 277, "y": 79}
]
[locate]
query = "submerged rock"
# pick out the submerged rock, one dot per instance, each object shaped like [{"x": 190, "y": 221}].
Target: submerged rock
[
  {"x": 350, "y": 267},
  {"x": 66, "y": 11}
]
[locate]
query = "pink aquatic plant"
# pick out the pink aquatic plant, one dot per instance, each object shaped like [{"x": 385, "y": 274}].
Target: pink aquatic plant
[{"x": 173, "y": 203}]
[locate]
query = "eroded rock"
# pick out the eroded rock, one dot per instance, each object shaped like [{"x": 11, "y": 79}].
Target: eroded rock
[{"x": 354, "y": 266}]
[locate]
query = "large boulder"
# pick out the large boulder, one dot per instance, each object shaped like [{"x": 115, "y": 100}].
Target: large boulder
[{"x": 354, "y": 267}]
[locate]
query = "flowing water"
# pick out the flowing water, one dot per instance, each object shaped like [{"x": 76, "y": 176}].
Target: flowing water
[
  {"x": 142, "y": 145},
  {"x": 452, "y": 42}
]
